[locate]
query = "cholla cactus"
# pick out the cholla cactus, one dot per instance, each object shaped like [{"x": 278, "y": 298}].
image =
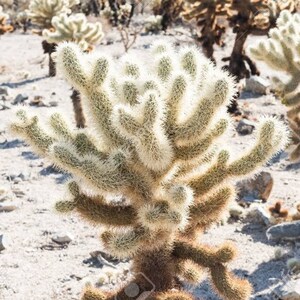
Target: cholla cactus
[
  {"x": 22, "y": 20},
  {"x": 246, "y": 17},
  {"x": 74, "y": 28},
  {"x": 4, "y": 27},
  {"x": 281, "y": 51},
  {"x": 276, "y": 7},
  {"x": 41, "y": 12},
  {"x": 170, "y": 10},
  {"x": 13, "y": 5},
  {"x": 157, "y": 125},
  {"x": 209, "y": 15},
  {"x": 119, "y": 12},
  {"x": 153, "y": 24}
]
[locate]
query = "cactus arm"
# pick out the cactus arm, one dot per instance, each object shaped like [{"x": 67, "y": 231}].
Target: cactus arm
[
  {"x": 272, "y": 136},
  {"x": 95, "y": 210},
  {"x": 226, "y": 284},
  {"x": 192, "y": 151},
  {"x": 208, "y": 106},
  {"x": 205, "y": 211},
  {"x": 125, "y": 244},
  {"x": 30, "y": 130}
]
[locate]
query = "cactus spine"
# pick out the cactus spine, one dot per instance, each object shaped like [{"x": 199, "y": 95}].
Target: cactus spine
[
  {"x": 157, "y": 124},
  {"x": 282, "y": 52}
]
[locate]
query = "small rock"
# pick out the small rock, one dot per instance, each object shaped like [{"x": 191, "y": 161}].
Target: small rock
[
  {"x": 37, "y": 101},
  {"x": 24, "y": 177},
  {"x": 4, "y": 90},
  {"x": 17, "y": 180},
  {"x": 53, "y": 103},
  {"x": 18, "y": 193},
  {"x": 288, "y": 230},
  {"x": 261, "y": 215},
  {"x": 290, "y": 290},
  {"x": 20, "y": 99},
  {"x": 293, "y": 264},
  {"x": 236, "y": 211},
  {"x": 257, "y": 85},
  {"x": 2, "y": 242},
  {"x": 62, "y": 238},
  {"x": 4, "y": 107},
  {"x": 3, "y": 191},
  {"x": 259, "y": 187},
  {"x": 245, "y": 127},
  {"x": 7, "y": 208}
]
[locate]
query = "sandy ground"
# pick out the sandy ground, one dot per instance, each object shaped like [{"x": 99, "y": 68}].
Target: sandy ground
[{"x": 30, "y": 268}]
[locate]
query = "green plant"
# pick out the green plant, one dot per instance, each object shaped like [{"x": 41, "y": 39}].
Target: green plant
[
  {"x": 282, "y": 52},
  {"x": 157, "y": 125}
]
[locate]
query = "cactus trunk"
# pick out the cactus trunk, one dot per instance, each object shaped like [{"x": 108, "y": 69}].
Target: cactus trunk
[
  {"x": 238, "y": 58},
  {"x": 49, "y": 48},
  {"x": 79, "y": 116}
]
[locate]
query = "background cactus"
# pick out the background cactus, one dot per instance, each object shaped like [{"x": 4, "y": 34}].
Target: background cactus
[
  {"x": 251, "y": 17},
  {"x": 74, "y": 28},
  {"x": 170, "y": 11},
  {"x": 118, "y": 12},
  {"x": 281, "y": 51},
  {"x": 41, "y": 12},
  {"x": 155, "y": 139},
  {"x": 209, "y": 16},
  {"x": 4, "y": 26}
]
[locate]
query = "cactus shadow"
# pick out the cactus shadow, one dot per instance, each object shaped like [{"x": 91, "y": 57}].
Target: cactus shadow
[
  {"x": 248, "y": 95},
  {"x": 257, "y": 232},
  {"x": 51, "y": 170},
  {"x": 16, "y": 143},
  {"x": 266, "y": 275},
  {"x": 93, "y": 262},
  {"x": 28, "y": 155},
  {"x": 293, "y": 166},
  {"x": 203, "y": 291},
  {"x": 13, "y": 85}
]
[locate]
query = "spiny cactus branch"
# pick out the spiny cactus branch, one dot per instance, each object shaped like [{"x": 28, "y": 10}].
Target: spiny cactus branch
[{"x": 156, "y": 130}]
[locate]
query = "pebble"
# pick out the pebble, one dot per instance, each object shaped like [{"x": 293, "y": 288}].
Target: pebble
[
  {"x": 245, "y": 127},
  {"x": 4, "y": 90},
  {"x": 62, "y": 238},
  {"x": 2, "y": 242},
  {"x": 259, "y": 187},
  {"x": 260, "y": 214},
  {"x": 18, "y": 193},
  {"x": 290, "y": 290},
  {"x": 53, "y": 103},
  {"x": 7, "y": 208},
  {"x": 20, "y": 99},
  {"x": 287, "y": 230},
  {"x": 17, "y": 180},
  {"x": 235, "y": 210},
  {"x": 257, "y": 85}
]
